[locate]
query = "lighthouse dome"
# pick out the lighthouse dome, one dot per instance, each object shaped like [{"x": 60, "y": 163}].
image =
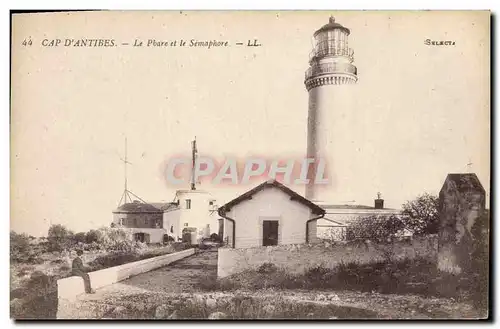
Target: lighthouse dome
[{"x": 332, "y": 25}]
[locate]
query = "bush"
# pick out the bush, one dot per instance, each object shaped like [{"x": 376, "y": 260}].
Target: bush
[
  {"x": 117, "y": 240},
  {"x": 114, "y": 259},
  {"x": 93, "y": 236},
  {"x": 19, "y": 247},
  {"x": 60, "y": 238},
  {"x": 376, "y": 228},
  {"x": 413, "y": 276},
  {"x": 80, "y": 238},
  {"x": 421, "y": 216},
  {"x": 267, "y": 268},
  {"x": 317, "y": 273},
  {"x": 40, "y": 283}
]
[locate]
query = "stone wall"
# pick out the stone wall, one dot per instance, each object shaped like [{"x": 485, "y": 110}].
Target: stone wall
[{"x": 297, "y": 258}]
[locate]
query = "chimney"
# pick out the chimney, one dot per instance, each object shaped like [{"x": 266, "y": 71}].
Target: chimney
[{"x": 379, "y": 203}]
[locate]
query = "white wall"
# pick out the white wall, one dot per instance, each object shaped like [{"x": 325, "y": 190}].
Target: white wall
[
  {"x": 155, "y": 234},
  {"x": 172, "y": 218},
  {"x": 199, "y": 216},
  {"x": 269, "y": 204},
  {"x": 70, "y": 288}
]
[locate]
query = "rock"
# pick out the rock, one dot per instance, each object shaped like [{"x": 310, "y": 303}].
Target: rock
[
  {"x": 198, "y": 299},
  {"x": 119, "y": 311},
  {"x": 173, "y": 316},
  {"x": 16, "y": 306},
  {"x": 333, "y": 317},
  {"x": 269, "y": 308},
  {"x": 217, "y": 315},
  {"x": 175, "y": 302},
  {"x": 333, "y": 297},
  {"x": 162, "y": 311},
  {"x": 140, "y": 307},
  {"x": 321, "y": 297},
  {"x": 211, "y": 302}
]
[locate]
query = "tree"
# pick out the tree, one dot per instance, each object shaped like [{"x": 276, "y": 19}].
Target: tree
[
  {"x": 421, "y": 216},
  {"x": 80, "y": 237},
  {"x": 59, "y": 237},
  {"x": 375, "y": 228},
  {"x": 93, "y": 236}
]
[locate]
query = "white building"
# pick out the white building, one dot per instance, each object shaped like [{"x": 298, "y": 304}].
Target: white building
[
  {"x": 338, "y": 218},
  {"x": 196, "y": 211},
  {"x": 269, "y": 214}
]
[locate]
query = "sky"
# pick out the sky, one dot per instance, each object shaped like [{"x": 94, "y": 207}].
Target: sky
[{"x": 422, "y": 111}]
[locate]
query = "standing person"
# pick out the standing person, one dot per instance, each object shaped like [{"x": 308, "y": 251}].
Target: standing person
[{"x": 80, "y": 270}]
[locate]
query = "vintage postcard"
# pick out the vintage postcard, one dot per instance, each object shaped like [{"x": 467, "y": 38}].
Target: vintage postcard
[{"x": 250, "y": 165}]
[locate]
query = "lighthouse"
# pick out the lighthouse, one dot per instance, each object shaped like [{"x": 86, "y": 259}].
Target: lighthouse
[{"x": 330, "y": 81}]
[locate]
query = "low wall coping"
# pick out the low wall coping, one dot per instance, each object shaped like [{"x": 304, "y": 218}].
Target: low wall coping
[{"x": 71, "y": 287}]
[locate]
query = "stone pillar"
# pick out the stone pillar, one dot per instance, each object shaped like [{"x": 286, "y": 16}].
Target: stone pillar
[{"x": 459, "y": 210}]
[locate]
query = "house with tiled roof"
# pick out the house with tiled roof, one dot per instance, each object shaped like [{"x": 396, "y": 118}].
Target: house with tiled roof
[
  {"x": 267, "y": 215},
  {"x": 144, "y": 220}
]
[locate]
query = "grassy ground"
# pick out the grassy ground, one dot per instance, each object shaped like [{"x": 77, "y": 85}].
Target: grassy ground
[
  {"x": 34, "y": 286},
  {"x": 419, "y": 277},
  {"x": 283, "y": 304},
  {"x": 188, "y": 289}
]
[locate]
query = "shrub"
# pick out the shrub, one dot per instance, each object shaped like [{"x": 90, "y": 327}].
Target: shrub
[
  {"x": 40, "y": 283},
  {"x": 116, "y": 240},
  {"x": 60, "y": 238},
  {"x": 376, "y": 228},
  {"x": 114, "y": 259},
  {"x": 267, "y": 268},
  {"x": 421, "y": 215},
  {"x": 317, "y": 273},
  {"x": 80, "y": 237},
  {"x": 19, "y": 247},
  {"x": 93, "y": 236}
]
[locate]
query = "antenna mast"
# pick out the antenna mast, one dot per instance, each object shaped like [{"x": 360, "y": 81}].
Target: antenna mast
[
  {"x": 125, "y": 162},
  {"x": 193, "y": 169},
  {"x": 127, "y": 195}
]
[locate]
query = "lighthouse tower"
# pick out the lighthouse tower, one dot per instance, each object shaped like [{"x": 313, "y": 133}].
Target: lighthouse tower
[{"x": 330, "y": 81}]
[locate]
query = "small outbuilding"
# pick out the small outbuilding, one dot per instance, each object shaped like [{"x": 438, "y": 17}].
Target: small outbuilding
[{"x": 269, "y": 214}]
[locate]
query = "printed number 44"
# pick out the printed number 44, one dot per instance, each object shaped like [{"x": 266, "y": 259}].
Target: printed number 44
[{"x": 27, "y": 42}]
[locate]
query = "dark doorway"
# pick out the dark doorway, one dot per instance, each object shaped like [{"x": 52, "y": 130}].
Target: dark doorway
[{"x": 270, "y": 233}]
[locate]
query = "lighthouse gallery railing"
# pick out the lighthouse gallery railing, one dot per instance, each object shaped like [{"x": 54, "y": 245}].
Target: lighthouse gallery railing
[{"x": 331, "y": 68}]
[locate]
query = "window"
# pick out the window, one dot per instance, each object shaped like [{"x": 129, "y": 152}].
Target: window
[
  {"x": 146, "y": 221},
  {"x": 172, "y": 229},
  {"x": 188, "y": 203},
  {"x": 186, "y": 224},
  {"x": 211, "y": 203}
]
